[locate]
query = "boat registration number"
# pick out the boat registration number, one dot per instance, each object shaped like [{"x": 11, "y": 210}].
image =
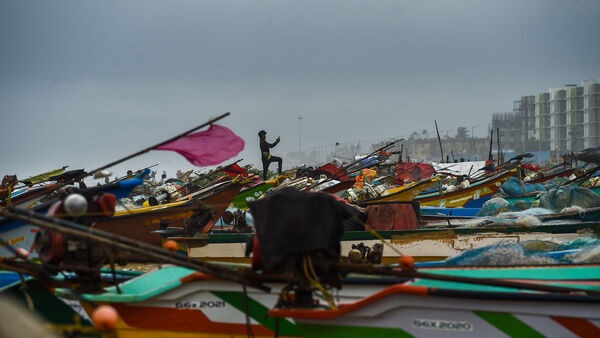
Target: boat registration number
[
  {"x": 200, "y": 304},
  {"x": 438, "y": 324}
]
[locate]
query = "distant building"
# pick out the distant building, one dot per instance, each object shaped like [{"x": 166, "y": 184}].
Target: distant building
[
  {"x": 561, "y": 120},
  {"x": 548, "y": 124}
]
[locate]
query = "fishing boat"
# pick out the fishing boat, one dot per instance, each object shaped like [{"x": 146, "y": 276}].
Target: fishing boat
[
  {"x": 427, "y": 307},
  {"x": 194, "y": 213},
  {"x": 28, "y": 197},
  {"x": 183, "y": 302},
  {"x": 475, "y": 194},
  {"x": 405, "y": 229},
  {"x": 297, "y": 287},
  {"x": 404, "y": 193},
  {"x": 424, "y": 244},
  {"x": 253, "y": 192}
]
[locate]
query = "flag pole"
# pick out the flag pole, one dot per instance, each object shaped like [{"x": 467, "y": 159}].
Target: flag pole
[{"x": 209, "y": 122}]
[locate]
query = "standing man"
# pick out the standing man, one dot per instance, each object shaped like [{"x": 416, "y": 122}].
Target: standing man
[{"x": 266, "y": 156}]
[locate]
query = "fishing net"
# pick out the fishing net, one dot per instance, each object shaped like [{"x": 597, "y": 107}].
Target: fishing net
[
  {"x": 504, "y": 253},
  {"x": 579, "y": 243},
  {"x": 498, "y": 205},
  {"x": 559, "y": 198},
  {"x": 588, "y": 254},
  {"x": 512, "y": 187},
  {"x": 555, "y": 183},
  {"x": 531, "y": 252}
]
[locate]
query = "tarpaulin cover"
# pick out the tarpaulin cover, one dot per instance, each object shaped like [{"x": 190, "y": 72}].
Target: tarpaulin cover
[
  {"x": 409, "y": 171},
  {"x": 290, "y": 222},
  {"x": 234, "y": 170},
  {"x": 329, "y": 170},
  {"x": 460, "y": 168},
  {"x": 391, "y": 216}
]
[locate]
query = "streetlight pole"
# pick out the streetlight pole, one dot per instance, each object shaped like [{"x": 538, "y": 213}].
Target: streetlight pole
[
  {"x": 299, "y": 133},
  {"x": 473, "y": 147}
]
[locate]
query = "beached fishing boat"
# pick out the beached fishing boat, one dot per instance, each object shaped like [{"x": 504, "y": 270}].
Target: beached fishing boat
[
  {"x": 28, "y": 197},
  {"x": 199, "y": 213},
  {"x": 404, "y": 193},
  {"x": 428, "y": 307},
  {"x": 251, "y": 193},
  {"x": 475, "y": 194},
  {"x": 403, "y": 229},
  {"x": 472, "y": 301},
  {"x": 424, "y": 244},
  {"x": 297, "y": 287}
]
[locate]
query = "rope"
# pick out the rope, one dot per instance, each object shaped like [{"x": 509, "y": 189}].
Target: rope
[
  {"x": 249, "y": 331},
  {"x": 311, "y": 275},
  {"x": 378, "y": 236}
]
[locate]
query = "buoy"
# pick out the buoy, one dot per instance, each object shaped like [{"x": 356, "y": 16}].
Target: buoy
[
  {"x": 406, "y": 262},
  {"x": 170, "y": 245},
  {"x": 75, "y": 205},
  {"x": 105, "y": 318}
]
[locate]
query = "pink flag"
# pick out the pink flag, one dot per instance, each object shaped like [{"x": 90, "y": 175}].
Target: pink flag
[{"x": 209, "y": 147}]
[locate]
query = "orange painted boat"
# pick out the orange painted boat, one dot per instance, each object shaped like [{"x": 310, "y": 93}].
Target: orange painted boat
[
  {"x": 446, "y": 301},
  {"x": 141, "y": 224}
]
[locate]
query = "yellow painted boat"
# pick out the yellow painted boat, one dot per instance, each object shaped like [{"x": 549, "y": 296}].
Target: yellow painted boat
[
  {"x": 405, "y": 193},
  {"x": 459, "y": 198}
]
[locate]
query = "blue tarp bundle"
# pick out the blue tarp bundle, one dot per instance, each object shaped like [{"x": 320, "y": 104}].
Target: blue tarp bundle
[{"x": 513, "y": 188}]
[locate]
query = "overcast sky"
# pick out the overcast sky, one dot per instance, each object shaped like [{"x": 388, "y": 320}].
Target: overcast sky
[{"x": 83, "y": 83}]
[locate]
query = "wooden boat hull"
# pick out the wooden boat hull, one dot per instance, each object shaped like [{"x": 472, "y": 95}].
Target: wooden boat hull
[
  {"x": 549, "y": 176},
  {"x": 31, "y": 197},
  {"x": 409, "y": 311},
  {"x": 423, "y": 244},
  {"x": 405, "y": 193},
  {"x": 183, "y": 303},
  {"x": 140, "y": 224},
  {"x": 240, "y": 201},
  {"x": 18, "y": 235},
  {"x": 459, "y": 198}
]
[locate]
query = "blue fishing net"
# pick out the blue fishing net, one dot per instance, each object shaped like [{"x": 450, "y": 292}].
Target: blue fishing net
[
  {"x": 513, "y": 187},
  {"x": 531, "y": 252},
  {"x": 555, "y": 183},
  {"x": 498, "y": 205},
  {"x": 579, "y": 243},
  {"x": 507, "y": 253}
]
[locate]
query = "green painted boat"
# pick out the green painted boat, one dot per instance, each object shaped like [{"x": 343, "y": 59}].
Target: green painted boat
[
  {"x": 252, "y": 193},
  {"x": 451, "y": 301}
]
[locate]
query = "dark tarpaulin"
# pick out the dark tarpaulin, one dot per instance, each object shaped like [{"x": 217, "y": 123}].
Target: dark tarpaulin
[
  {"x": 291, "y": 222},
  {"x": 329, "y": 170}
]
